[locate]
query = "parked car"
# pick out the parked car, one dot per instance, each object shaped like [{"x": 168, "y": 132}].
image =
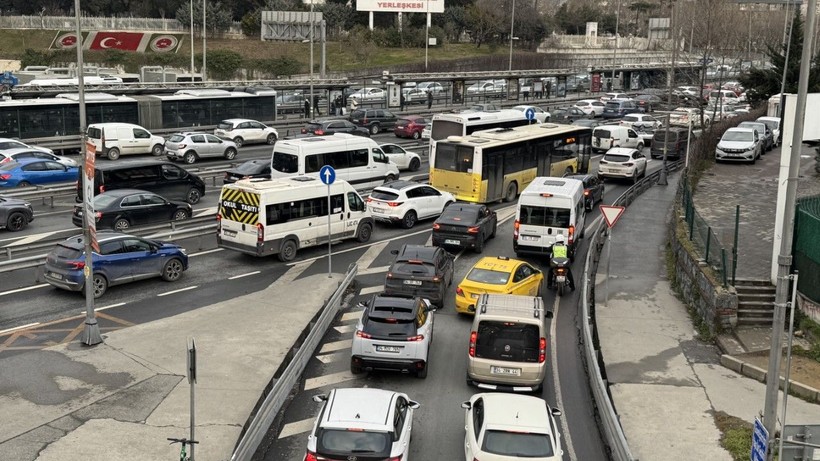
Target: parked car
[
  {"x": 592, "y": 107},
  {"x": 368, "y": 94},
  {"x": 739, "y": 144},
  {"x": 436, "y": 87},
  {"x": 502, "y": 426},
  {"x": 394, "y": 332},
  {"x": 480, "y": 107},
  {"x": 353, "y": 422},
  {"x": 27, "y": 153},
  {"x": 622, "y": 162},
  {"x": 487, "y": 88},
  {"x": 259, "y": 168},
  {"x": 404, "y": 159},
  {"x": 593, "y": 189},
  {"x": 414, "y": 96},
  {"x": 192, "y": 146},
  {"x": 568, "y": 115},
  {"x": 418, "y": 270},
  {"x": 35, "y": 172},
  {"x": 425, "y": 133},
  {"x": 648, "y": 102},
  {"x": 122, "y": 258},
  {"x": 605, "y": 137},
  {"x": 763, "y": 132},
  {"x": 245, "y": 131},
  {"x": 15, "y": 214},
  {"x": 410, "y": 126},
  {"x": 619, "y": 107},
  {"x": 331, "y": 126},
  {"x": 683, "y": 115},
  {"x": 615, "y": 97},
  {"x": 774, "y": 126},
  {"x": 120, "y": 209},
  {"x": 497, "y": 274},
  {"x": 405, "y": 202},
  {"x": 465, "y": 226},
  {"x": 540, "y": 114},
  {"x": 374, "y": 120},
  {"x": 8, "y": 143}
]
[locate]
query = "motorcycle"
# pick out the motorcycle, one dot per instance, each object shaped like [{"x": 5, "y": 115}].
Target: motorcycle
[{"x": 560, "y": 267}]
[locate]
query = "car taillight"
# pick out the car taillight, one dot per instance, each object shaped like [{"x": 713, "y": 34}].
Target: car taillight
[
  {"x": 459, "y": 291},
  {"x": 319, "y": 132},
  {"x": 102, "y": 189},
  {"x": 628, "y": 164},
  {"x": 77, "y": 265},
  {"x": 390, "y": 275},
  {"x": 5, "y": 160},
  {"x": 310, "y": 456},
  {"x": 395, "y": 458},
  {"x": 304, "y": 130},
  {"x": 5, "y": 176},
  {"x": 516, "y": 227},
  {"x": 394, "y": 204},
  {"x": 571, "y": 234},
  {"x": 542, "y": 350},
  {"x": 416, "y": 338},
  {"x": 560, "y": 271},
  {"x": 260, "y": 233},
  {"x": 473, "y": 338},
  {"x": 362, "y": 334},
  {"x": 218, "y": 223},
  {"x": 181, "y": 146},
  {"x": 586, "y": 192},
  {"x": 436, "y": 226},
  {"x": 97, "y": 215},
  {"x": 437, "y": 279},
  {"x": 473, "y": 230}
]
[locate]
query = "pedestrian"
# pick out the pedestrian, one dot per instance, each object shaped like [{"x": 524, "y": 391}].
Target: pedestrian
[
  {"x": 401, "y": 102},
  {"x": 307, "y": 108},
  {"x": 316, "y": 104},
  {"x": 526, "y": 95},
  {"x": 354, "y": 104},
  {"x": 333, "y": 106},
  {"x": 429, "y": 100}
]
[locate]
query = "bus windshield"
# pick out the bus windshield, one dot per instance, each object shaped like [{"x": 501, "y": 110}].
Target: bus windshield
[{"x": 453, "y": 157}]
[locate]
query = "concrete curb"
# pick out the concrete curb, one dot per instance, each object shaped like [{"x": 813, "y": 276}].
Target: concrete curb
[{"x": 748, "y": 370}]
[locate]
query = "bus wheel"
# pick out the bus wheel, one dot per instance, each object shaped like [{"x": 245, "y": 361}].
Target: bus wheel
[
  {"x": 512, "y": 192},
  {"x": 288, "y": 251}
]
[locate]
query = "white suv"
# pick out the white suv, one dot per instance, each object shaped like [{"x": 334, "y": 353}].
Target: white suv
[
  {"x": 622, "y": 162},
  {"x": 405, "y": 202},
  {"x": 509, "y": 426},
  {"x": 362, "y": 424},
  {"x": 393, "y": 333},
  {"x": 244, "y": 131}
]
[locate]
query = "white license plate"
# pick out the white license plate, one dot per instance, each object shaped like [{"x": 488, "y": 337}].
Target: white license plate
[
  {"x": 412, "y": 282},
  {"x": 376, "y": 210},
  {"x": 56, "y": 276},
  {"x": 474, "y": 295},
  {"x": 229, "y": 233},
  {"x": 505, "y": 371},
  {"x": 452, "y": 242},
  {"x": 529, "y": 238},
  {"x": 79, "y": 213},
  {"x": 560, "y": 278},
  {"x": 394, "y": 349}
]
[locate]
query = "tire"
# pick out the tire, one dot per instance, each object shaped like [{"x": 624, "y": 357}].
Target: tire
[
  {"x": 479, "y": 245},
  {"x": 421, "y": 374},
  {"x": 512, "y": 192},
  {"x": 271, "y": 139},
  {"x": 568, "y": 171},
  {"x": 180, "y": 215},
  {"x": 354, "y": 369},
  {"x": 230, "y": 153},
  {"x": 374, "y": 128},
  {"x": 390, "y": 177},
  {"x": 193, "y": 196},
  {"x": 287, "y": 252},
  {"x": 23, "y": 184},
  {"x": 635, "y": 176},
  {"x": 190, "y": 157},
  {"x": 121, "y": 225},
  {"x": 409, "y": 219},
  {"x": 416, "y": 135},
  {"x": 172, "y": 270},
  {"x": 415, "y": 164},
  {"x": 156, "y": 151},
  {"x": 560, "y": 290},
  {"x": 492, "y": 234},
  {"x": 16, "y": 222},
  {"x": 365, "y": 232},
  {"x": 238, "y": 141},
  {"x": 640, "y": 146},
  {"x": 100, "y": 284}
]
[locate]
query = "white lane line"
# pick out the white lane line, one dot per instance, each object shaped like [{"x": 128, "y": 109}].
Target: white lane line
[
  {"x": 348, "y": 316},
  {"x": 296, "y": 428},
  {"x": 31, "y": 238},
  {"x": 20, "y": 290},
  {"x": 344, "y": 328},
  {"x": 429, "y": 241},
  {"x": 244, "y": 275},
  {"x": 334, "y": 357},
  {"x": 106, "y": 307},
  {"x": 559, "y": 401},
  {"x": 370, "y": 255},
  {"x": 371, "y": 290},
  {"x": 21, "y": 327},
  {"x": 328, "y": 380},
  {"x": 292, "y": 273},
  {"x": 373, "y": 270},
  {"x": 591, "y": 225},
  {"x": 336, "y": 346},
  {"x": 178, "y": 291},
  {"x": 206, "y": 252},
  {"x": 205, "y": 211}
]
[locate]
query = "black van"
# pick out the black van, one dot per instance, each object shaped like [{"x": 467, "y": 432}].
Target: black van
[
  {"x": 675, "y": 142},
  {"x": 163, "y": 178}
]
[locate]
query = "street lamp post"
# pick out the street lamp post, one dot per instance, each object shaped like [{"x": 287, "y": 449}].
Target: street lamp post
[
  {"x": 192, "y": 40},
  {"x": 312, "y": 105},
  {"x": 426, "y": 34},
  {"x": 615, "y": 51},
  {"x": 512, "y": 34},
  {"x": 204, "y": 41}
]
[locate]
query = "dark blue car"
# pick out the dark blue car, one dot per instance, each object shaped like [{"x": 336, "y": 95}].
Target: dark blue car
[
  {"x": 122, "y": 258},
  {"x": 31, "y": 172}
]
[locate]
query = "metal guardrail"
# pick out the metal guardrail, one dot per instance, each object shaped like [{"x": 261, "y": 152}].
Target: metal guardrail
[
  {"x": 608, "y": 417},
  {"x": 262, "y": 420}
]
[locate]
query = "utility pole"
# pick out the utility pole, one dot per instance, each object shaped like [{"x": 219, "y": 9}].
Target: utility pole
[
  {"x": 663, "y": 179},
  {"x": 512, "y": 27},
  {"x": 784, "y": 259},
  {"x": 204, "y": 40},
  {"x": 615, "y": 51}
]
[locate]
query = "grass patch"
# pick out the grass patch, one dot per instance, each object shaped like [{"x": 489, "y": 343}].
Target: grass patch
[{"x": 735, "y": 435}]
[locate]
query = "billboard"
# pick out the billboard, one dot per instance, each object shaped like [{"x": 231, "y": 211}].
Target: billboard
[
  {"x": 123, "y": 41},
  {"x": 396, "y": 6}
]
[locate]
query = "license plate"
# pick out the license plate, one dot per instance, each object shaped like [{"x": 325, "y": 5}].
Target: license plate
[
  {"x": 401, "y": 127},
  {"x": 394, "y": 349},
  {"x": 376, "y": 210},
  {"x": 452, "y": 242},
  {"x": 412, "y": 282},
  {"x": 474, "y": 295},
  {"x": 56, "y": 276},
  {"x": 505, "y": 371},
  {"x": 229, "y": 233},
  {"x": 79, "y": 213},
  {"x": 561, "y": 278},
  {"x": 529, "y": 238}
]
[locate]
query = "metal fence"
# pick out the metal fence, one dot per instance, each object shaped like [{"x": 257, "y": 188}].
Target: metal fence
[
  {"x": 101, "y": 23},
  {"x": 807, "y": 246},
  {"x": 720, "y": 256}
]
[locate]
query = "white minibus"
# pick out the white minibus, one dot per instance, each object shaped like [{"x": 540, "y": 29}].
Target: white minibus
[{"x": 549, "y": 207}]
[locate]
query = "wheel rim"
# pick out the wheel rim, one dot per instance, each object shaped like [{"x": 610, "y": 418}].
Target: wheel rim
[
  {"x": 271, "y": 139},
  {"x": 99, "y": 286},
  {"x": 414, "y": 165},
  {"x": 289, "y": 250},
  {"x": 374, "y": 129},
  {"x": 157, "y": 150},
  {"x": 193, "y": 196},
  {"x": 416, "y": 135},
  {"x": 113, "y": 154},
  {"x": 121, "y": 224},
  {"x": 180, "y": 215},
  {"x": 15, "y": 223},
  {"x": 409, "y": 219},
  {"x": 238, "y": 142},
  {"x": 23, "y": 184},
  {"x": 190, "y": 158},
  {"x": 231, "y": 154},
  {"x": 173, "y": 270}
]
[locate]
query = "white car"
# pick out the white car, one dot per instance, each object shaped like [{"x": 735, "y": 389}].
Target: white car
[
  {"x": 435, "y": 87},
  {"x": 425, "y": 133},
  {"x": 615, "y": 97},
  {"x": 405, "y": 202},
  {"x": 682, "y": 116},
  {"x": 404, "y": 159},
  {"x": 393, "y": 333},
  {"x": 8, "y": 143},
  {"x": 592, "y": 107},
  {"x": 641, "y": 122},
  {"x": 501, "y": 427},
  {"x": 622, "y": 162},
  {"x": 540, "y": 114},
  {"x": 688, "y": 91},
  {"x": 244, "y": 131},
  {"x": 369, "y": 94},
  {"x": 17, "y": 154},
  {"x": 486, "y": 87},
  {"x": 354, "y": 422}
]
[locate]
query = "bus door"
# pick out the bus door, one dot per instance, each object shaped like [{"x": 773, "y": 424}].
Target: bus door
[{"x": 493, "y": 173}]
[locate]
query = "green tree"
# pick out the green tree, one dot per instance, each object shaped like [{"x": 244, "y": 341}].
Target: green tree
[
  {"x": 640, "y": 7},
  {"x": 339, "y": 18},
  {"x": 484, "y": 19},
  {"x": 223, "y": 64},
  {"x": 218, "y": 17}
]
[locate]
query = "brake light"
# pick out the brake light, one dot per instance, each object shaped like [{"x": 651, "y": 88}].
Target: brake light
[
  {"x": 586, "y": 192},
  {"x": 395, "y": 458},
  {"x": 310, "y": 456},
  {"x": 459, "y": 291},
  {"x": 560, "y": 271},
  {"x": 473, "y": 230},
  {"x": 416, "y": 338},
  {"x": 542, "y": 350},
  {"x": 182, "y": 146},
  {"x": 516, "y": 227},
  {"x": 77, "y": 265},
  {"x": 260, "y": 233},
  {"x": 319, "y": 132},
  {"x": 473, "y": 338},
  {"x": 394, "y": 204},
  {"x": 628, "y": 164},
  {"x": 390, "y": 275},
  {"x": 436, "y": 226},
  {"x": 102, "y": 189},
  {"x": 362, "y": 334},
  {"x": 6, "y": 160},
  {"x": 437, "y": 279},
  {"x": 5, "y": 176},
  {"x": 304, "y": 130},
  {"x": 571, "y": 234},
  {"x": 98, "y": 215}
]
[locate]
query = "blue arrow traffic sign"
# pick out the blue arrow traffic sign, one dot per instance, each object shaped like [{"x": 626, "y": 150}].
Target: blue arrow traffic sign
[
  {"x": 760, "y": 441},
  {"x": 530, "y": 114},
  {"x": 327, "y": 174}
]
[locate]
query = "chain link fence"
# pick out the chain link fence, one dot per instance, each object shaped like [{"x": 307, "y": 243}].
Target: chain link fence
[{"x": 807, "y": 246}]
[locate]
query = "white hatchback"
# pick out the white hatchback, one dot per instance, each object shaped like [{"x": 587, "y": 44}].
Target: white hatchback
[
  {"x": 405, "y": 202},
  {"x": 641, "y": 122},
  {"x": 244, "y": 131},
  {"x": 404, "y": 159},
  {"x": 505, "y": 427},
  {"x": 592, "y": 107},
  {"x": 622, "y": 162}
]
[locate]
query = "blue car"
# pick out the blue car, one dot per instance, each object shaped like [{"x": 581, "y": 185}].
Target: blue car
[
  {"x": 122, "y": 259},
  {"x": 30, "y": 172}
]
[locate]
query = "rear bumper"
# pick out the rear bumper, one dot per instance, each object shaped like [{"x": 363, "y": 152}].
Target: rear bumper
[
  {"x": 465, "y": 241},
  {"x": 66, "y": 283},
  {"x": 269, "y": 248},
  {"x": 434, "y": 296},
  {"x": 403, "y": 365}
]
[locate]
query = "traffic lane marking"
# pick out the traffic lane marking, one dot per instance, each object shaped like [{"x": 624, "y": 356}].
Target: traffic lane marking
[
  {"x": 373, "y": 270},
  {"x": 20, "y": 290},
  {"x": 370, "y": 290},
  {"x": 559, "y": 401},
  {"x": 334, "y": 346},
  {"x": 296, "y": 428},
  {"x": 343, "y": 329},
  {"x": 350, "y": 316},
  {"x": 177, "y": 291},
  {"x": 333, "y": 357},
  {"x": 21, "y": 327},
  {"x": 329, "y": 380},
  {"x": 244, "y": 275}
]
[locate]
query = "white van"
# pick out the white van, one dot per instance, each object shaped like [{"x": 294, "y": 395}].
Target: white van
[
  {"x": 605, "y": 137},
  {"x": 123, "y": 139},
  {"x": 264, "y": 217},
  {"x": 546, "y": 208},
  {"x": 357, "y": 160}
]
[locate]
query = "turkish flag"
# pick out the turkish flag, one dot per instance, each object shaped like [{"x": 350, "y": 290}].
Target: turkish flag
[{"x": 126, "y": 41}]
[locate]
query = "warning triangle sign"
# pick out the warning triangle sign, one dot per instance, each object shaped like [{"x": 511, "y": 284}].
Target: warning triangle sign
[{"x": 611, "y": 214}]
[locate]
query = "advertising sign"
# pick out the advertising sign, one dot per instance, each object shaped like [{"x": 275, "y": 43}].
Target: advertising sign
[
  {"x": 123, "y": 41},
  {"x": 595, "y": 87},
  {"x": 88, "y": 193},
  {"x": 396, "y": 6}
]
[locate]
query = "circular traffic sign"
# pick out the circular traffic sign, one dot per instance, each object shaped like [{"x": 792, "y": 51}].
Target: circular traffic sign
[
  {"x": 530, "y": 114},
  {"x": 327, "y": 174}
]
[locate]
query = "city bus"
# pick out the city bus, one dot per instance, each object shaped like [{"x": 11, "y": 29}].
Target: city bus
[
  {"x": 497, "y": 164},
  {"x": 465, "y": 123}
]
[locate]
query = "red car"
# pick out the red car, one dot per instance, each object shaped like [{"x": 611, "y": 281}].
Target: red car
[{"x": 410, "y": 126}]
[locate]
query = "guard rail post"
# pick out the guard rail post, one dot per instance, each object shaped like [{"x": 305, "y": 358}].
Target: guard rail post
[{"x": 708, "y": 243}]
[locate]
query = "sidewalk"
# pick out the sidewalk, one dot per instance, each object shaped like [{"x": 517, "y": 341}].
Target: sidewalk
[
  {"x": 121, "y": 399},
  {"x": 665, "y": 384}
]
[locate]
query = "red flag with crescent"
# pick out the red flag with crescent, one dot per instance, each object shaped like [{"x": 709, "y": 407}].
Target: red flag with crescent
[{"x": 125, "y": 41}]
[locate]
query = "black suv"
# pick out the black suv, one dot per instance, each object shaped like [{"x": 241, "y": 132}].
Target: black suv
[
  {"x": 374, "y": 120},
  {"x": 323, "y": 127},
  {"x": 15, "y": 214}
]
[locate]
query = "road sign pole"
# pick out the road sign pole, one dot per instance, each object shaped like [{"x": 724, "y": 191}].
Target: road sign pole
[
  {"x": 327, "y": 175},
  {"x": 608, "y": 265},
  {"x": 329, "y": 212},
  {"x": 192, "y": 381},
  {"x": 611, "y": 215}
]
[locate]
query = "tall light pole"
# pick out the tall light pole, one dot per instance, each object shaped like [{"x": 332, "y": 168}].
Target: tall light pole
[
  {"x": 204, "y": 40},
  {"x": 426, "y": 34},
  {"x": 662, "y": 178},
  {"x": 192, "y": 40},
  {"x": 312, "y": 105},
  {"x": 512, "y": 27},
  {"x": 615, "y": 51}
]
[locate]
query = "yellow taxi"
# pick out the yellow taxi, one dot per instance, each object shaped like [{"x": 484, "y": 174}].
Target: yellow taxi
[{"x": 497, "y": 274}]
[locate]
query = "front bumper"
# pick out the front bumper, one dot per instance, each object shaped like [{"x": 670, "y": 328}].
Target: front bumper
[{"x": 746, "y": 156}]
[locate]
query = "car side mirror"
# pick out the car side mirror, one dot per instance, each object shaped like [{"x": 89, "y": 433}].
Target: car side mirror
[
  {"x": 154, "y": 249},
  {"x": 319, "y": 398},
  {"x": 394, "y": 252},
  {"x": 431, "y": 308},
  {"x": 556, "y": 412},
  {"x": 549, "y": 314},
  {"x": 413, "y": 404},
  {"x": 466, "y": 405}
]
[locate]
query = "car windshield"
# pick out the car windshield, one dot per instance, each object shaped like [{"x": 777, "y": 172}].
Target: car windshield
[
  {"x": 613, "y": 105},
  {"x": 65, "y": 252},
  {"x": 770, "y": 123},
  {"x": 616, "y": 158},
  {"x": 488, "y": 276},
  {"x": 741, "y": 136},
  {"x": 414, "y": 267},
  {"x": 8, "y": 166},
  {"x": 285, "y": 163},
  {"x": 382, "y": 325},
  {"x": 225, "y": 126},
  {"x": 602, "y": 133},
  {"x": 544, "y": 216},
  {"x": 104, "y": 201},
  {"x": 176, "y": 138},
  {"x": 509, "y": 341},
  {"x": 357, "y": 114},
  {"x": 345, "y": 441},
  {"x": 386, "y": 195},
  {"x": 631, "y": 118},
  {"x": 517, "y": 444}
]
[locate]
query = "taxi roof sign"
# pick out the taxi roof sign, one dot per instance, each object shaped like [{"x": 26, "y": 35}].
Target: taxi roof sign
[{"x": 611, "y": 214}]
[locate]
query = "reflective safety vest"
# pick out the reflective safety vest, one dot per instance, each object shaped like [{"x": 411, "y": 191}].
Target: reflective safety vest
[{"x": 559, "y": 251}]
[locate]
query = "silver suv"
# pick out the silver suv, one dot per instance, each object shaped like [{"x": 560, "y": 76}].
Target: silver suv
[
  {"x": 393, "y": 333},
  {"x": 192, "y": 146}
]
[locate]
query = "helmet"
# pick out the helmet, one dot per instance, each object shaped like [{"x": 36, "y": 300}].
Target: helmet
[{"x": 559, "y": 239}]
